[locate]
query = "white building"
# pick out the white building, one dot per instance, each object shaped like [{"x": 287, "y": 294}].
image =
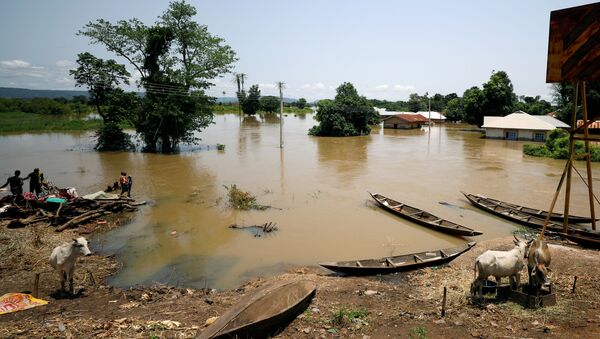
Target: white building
[
  {"x": 521, "y": 126},
  {"x": 434, "y": 116}
]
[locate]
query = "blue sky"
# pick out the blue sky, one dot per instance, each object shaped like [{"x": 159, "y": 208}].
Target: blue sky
[{"x": 387, "y": 49}]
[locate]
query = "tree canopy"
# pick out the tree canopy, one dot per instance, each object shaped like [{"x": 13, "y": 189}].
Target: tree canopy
[
  {"x": 269, "y": 103},
  {"x": 348, "y": 114},
  {"x": 176, "y": 59}
]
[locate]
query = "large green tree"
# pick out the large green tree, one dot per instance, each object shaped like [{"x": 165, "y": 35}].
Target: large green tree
[
  {"x": 176, "y": 59},
  {"x": 472, "y": 102},
  {"x": 347, "y": 115},
  {"x": 300, "y": 103},
  {"x": 251, "y": 103},
  {"x": 455, "y": 110},
  {"x": 269, "y": 103},
  {"x": 102, "y": 78},
  {"x": 499, "y": 97}
]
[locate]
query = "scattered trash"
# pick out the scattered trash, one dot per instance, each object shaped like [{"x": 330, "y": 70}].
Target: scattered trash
[
  {"x": 13, "y": 302},
  {"x": 370, "y": 292},
  {"x": 173, "y": 232},
  {"x": 210, "y": 320}
]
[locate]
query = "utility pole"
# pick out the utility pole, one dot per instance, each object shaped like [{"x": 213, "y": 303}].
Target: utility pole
[{"x": 280, "y": 85}]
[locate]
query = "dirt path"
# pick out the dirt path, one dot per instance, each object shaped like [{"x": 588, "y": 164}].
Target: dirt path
[{"x": 398, "y": 305}]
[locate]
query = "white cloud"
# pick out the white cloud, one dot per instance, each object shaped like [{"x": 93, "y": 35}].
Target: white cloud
[
  {"x": 65, "y": 63},
  {"x": 382, "y": 87},
  {"x": 15, "y": 63}
]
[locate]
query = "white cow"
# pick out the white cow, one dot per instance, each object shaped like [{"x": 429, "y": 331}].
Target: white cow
[
  {"x": 499, "y": 264},
  {"x": 63, "y": 259}
]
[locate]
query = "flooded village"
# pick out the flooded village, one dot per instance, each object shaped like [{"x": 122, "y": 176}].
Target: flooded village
[{"x": 348, "y": 216}]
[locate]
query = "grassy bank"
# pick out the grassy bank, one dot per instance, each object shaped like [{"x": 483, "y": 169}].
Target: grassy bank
[
  {"x": 31, "y": 122},
  {"x": 557, "y": 147}
]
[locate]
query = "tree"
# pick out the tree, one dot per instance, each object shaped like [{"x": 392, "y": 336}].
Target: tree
[
  {"x": 301, "y": 103},
  {"x": 347, "y": 115},
  {"x": 102, "y": 79},
  {"x": 472, "y": 103},
  {"x": 455, "y": 110},
  {"x": 438, "y": 103},
  {"x": 176, "y": 59},
  {"x": 499, "y": 97},
  {"x": 269, "y": 103},
  {"x": 415, "y": 103},
  {"x": 251, "y": 104}
]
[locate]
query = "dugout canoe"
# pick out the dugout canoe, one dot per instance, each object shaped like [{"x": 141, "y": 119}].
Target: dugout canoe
[
  {"x": 537, "y": 212},
  {"x": 399, "y": 263},
  {"x": 264, "y": 312},
  {"x": 422, "y": 217},
  {"x": 523, "y": 218}
]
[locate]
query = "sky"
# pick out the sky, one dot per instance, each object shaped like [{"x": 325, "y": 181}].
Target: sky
[{"x": 387, "y": 48}]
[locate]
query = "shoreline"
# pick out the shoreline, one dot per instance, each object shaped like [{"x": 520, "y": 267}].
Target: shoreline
[{"x": 402, "y": 304}]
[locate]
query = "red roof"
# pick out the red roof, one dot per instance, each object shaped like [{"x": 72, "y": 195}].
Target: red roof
[{"x": 412, "y": 117}]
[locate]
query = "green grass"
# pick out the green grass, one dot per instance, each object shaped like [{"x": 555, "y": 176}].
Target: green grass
[
  {"x": 343, "y": 315},
  {"x": 30, "y": 122},
  {"x": 418, "y": 332}
]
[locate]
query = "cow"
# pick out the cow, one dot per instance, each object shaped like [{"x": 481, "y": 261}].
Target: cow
[
  {"x": 63, "y": 259},
  {"x": 499, "y": 264},
  {"x": 538, "y": 260}
]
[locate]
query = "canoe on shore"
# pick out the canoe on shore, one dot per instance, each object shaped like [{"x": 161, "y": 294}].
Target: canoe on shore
[
  {"x": 264, "y": 312},
  {"x": 523, "y": 218},
  {"x": 536, "y": 212},
  {"x": 422, "y": 217},
  {"x": 398, "y": 263}
]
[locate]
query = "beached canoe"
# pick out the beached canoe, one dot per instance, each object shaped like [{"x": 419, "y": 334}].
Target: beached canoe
[
  {"x": 422, "y": 217},
  {"x": 264, "y": 312},
  {"x": 523, "y": 218},
  {"x": 536, "y": 212},
  {"x": 398, "y": 263}
]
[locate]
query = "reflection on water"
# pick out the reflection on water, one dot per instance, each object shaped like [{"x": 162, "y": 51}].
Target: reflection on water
[{"x": 319, "y": 186}]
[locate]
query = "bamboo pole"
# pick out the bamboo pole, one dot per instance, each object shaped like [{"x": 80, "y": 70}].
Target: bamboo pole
[
  {"x": 587, "y": 154},
  {"x": 570, "y": 161},
  {"x": 560, "y": 182}
]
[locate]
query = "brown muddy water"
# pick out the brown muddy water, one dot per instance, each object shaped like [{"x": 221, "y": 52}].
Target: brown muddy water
[{"x": 319, "y": 186}]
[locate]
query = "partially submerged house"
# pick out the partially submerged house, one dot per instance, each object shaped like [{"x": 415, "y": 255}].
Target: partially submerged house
[
  {"x": 433, "y": 116},
  {"x": 521, "y": 126},
  {"x": 405, "y": 121}
]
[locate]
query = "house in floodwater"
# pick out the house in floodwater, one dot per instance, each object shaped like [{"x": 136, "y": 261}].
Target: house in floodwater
[
  {"x": 404, "y": 121},
  {"x": 433, "y": 116},
  {"x": 520, "y": 126}
]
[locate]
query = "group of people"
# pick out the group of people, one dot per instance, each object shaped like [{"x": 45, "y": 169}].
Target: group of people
[{"x": 36, "y": 181}]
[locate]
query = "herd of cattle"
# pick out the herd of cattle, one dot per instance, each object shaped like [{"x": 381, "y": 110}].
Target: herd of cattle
[
  {"x": 499, "y": 264},
  {"x": 496, "y": 264}
]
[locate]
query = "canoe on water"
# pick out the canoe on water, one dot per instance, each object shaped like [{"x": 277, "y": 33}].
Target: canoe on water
[
  {"x": 523, "y": 218},
  {"x": 398, "y": 263},
  {"x": 422, "y": 217},
  {"x": 264, "y": 312},
  {"x": 536, "y": 212}
]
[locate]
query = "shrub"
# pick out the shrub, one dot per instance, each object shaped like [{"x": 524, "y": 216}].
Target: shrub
[
  {"x": 536, "y": 150},
  {"x": 112, "y": 138}
]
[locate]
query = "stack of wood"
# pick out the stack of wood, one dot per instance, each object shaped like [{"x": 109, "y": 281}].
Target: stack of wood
[{"x": 67, "y": 215}]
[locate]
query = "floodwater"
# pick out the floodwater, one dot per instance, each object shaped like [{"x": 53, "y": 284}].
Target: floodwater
[{"x": 318, "y": 187}]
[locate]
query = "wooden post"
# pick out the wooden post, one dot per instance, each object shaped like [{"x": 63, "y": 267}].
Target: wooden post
[
  {"x": 280, "y": 85},
  {"x": 574, "y": 284},
  {"x": 444, "y": 303},
  {"x": 570, "y": 161},
  {"x": 587, "y": 154},
  {"x": 560, "y": 182},
  {"x": 36, "y": 285}
]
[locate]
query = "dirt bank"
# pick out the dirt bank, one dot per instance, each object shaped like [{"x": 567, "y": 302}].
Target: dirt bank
[{"x": 399, "y": 305}]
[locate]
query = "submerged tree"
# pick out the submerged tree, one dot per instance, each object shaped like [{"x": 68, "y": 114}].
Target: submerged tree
[
  {"x": 251, "y": 103},
  {"x": 176, "y": 59},
  {"x": 347, "y": 115},
  {"x": 269, "y": 104}
]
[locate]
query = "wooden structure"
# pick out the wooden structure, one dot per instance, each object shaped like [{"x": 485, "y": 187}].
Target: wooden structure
[
  {"x": 422, "y": 217},
  {"x": 264, "y": 312},
  {"x": 405, "y": 121},
  {"x": 400, "y": 263},
  {"x": 574, "y": 56}
]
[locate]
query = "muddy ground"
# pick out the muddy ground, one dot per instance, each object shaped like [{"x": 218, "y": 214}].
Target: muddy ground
[{"x": 399, "y": 305}]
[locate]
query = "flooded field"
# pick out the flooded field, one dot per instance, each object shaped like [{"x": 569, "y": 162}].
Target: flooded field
[{"x": 318, "y": 186}]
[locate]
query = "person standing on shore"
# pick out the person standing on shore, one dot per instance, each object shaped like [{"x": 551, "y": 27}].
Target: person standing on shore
[
  {"x": 124, "y": 181},
  {"x": 16, "y": 183},
  {"x": 35, "y": 181}
]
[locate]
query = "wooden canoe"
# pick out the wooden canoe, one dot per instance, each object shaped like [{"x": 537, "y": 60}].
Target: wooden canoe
[
  {"x": 582, "y": 240},
  {"x": 523, "y": 218},
  {"x": 422, "y": 217},
  {"x": 264, "y": 312},
  {"x": 536, "y": 212},
  {"x": 398, "y": 263}
]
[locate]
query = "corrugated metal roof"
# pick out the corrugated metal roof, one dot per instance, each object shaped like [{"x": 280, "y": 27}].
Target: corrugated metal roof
[
  {"x": 411, "y": 117},
  {"x": 434, "y": 115},
  {"x": 522, "y": 120}
]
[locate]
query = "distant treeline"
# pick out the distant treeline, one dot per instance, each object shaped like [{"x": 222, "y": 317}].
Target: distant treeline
[{"x": 56, "y": 106}]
